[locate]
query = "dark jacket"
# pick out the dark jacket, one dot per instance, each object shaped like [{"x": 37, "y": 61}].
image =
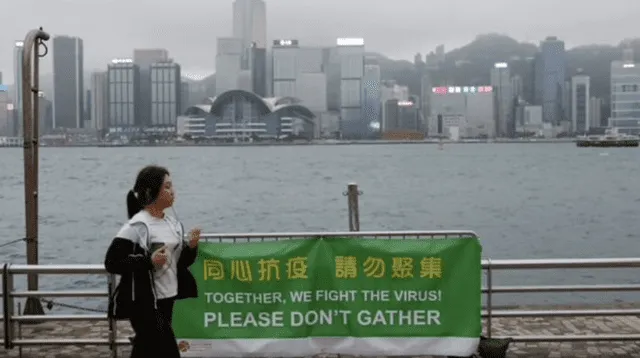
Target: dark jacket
[{"x": 131, "y": 260}]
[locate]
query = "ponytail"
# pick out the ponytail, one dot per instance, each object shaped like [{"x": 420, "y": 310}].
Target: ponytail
[{"x": 133, "y": 204}]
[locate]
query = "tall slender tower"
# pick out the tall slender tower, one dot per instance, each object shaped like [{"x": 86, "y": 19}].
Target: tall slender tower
[{"x": 250, "y": 26}]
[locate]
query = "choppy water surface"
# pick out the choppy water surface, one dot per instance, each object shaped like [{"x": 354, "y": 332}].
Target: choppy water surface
[{"x": 524, "y": 200}]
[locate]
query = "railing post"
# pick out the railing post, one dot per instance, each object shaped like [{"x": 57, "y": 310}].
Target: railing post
[
  {"x": 113, "y": 330},
  {"x": 489, "y": 297},
  {"x": 30, "y": 98},
  {"x": 352, "y": 194},
  {"x": 7, "y": 306}
]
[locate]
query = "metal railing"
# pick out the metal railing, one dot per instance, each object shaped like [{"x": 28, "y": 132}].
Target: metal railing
[{"x": 489, "y": 312}]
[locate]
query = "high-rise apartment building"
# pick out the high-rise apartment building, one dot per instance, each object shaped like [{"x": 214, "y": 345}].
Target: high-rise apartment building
[
  {"x": 100, "y": 100},
  {"x": 550, "y": 68},
  {"x": 68, "y": 82},
  {"x": 352, "y": 122},
  {"x": 124, "y": 89},
  {"x": 580, "y": 106},
  {"x": 228, "y": 58},
  {"x": 166, "y": 90}
]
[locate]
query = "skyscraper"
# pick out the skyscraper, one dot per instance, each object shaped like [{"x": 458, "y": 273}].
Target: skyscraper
[
  {"x": 165, "y": 94},
  {"x": 144, "y": 58},
  {"x": 625, "y": 96},
  {"x": 259, "y": 71},
  {"x": 580, "y": 106},
  {"x": 68, "y": 82},
  {"x": 550, "y": 79},
  {"x": 285, "y": 67},
  {"x": 124, "y": 89},
  {"x": 6, "y": 125},
  {"x": 17, "y": 88},
  {"x": 352, "y": 122},
  {"x": 99, "y": 100},
  {"x": 228, "y": 58},
  {"x": 250, "y": 26},
  {"x": 372, "y": 94},
  {"x": 503, "y": 93}
]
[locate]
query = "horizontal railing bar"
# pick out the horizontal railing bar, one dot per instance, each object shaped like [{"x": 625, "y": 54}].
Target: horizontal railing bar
[
  {"x": 561, "y": 263},
  {"x": 94, "y": 269},
  {"x": 60, "y": 294},
  {"x": 62, "y": 342},
  {"x": 561, "y": 288},
  {"x": 576, "y": 338},
  {"x": 561, "y": 313},
  {"x": 274, "y": 235},
  {"x": 42, "y": 318},
  {"x": 495, "y": 265}
]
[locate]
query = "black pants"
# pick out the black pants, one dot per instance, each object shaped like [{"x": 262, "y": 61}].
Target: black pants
[{"x": 154, "y": 334}]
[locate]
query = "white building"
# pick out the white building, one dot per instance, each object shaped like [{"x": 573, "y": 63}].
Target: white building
[
  {"x": 312, "y": 91},
  {"x": 351, "y": 52},
  {"x": 469, "y": 108},
  {"x": 625, "y": 96},
  {"x": 390, "y": 90},
  {"x": 285, "y": 67},
  {"x": 580, "y": 107},
  {"x": 228, "y": 59}
]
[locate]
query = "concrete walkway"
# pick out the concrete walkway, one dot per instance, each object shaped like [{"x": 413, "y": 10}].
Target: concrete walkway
[{"x": 501, "y": 327}]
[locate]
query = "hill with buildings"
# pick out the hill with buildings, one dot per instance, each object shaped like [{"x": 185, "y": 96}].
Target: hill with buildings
[{"x": 471, "y": 64}]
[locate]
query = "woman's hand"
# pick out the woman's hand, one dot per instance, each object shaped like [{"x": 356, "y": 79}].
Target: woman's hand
[
  {"x": 159, "y": 257},
  {"x": 194, "y": 237}
]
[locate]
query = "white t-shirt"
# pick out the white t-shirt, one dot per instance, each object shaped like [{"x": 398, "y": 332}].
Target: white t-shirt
[{"x": 165, "y": 231}]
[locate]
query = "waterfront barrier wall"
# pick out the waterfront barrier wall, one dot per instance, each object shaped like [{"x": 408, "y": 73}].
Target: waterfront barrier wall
[{"x": 13, "y": 319}]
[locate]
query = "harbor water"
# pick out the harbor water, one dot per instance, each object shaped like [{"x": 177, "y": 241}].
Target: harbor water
[{"x": 524, "y": 200}]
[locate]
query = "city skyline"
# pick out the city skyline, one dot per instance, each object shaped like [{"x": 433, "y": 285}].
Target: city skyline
[{"x": 315, "y": 25}]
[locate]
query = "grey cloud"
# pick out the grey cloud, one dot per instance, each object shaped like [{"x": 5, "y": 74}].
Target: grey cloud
[{"x": 398, "y": 28}]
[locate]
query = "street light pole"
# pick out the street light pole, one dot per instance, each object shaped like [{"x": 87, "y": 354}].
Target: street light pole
[{"x": 31, "y": 119}]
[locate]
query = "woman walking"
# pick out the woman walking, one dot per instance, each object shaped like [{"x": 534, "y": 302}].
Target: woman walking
[{"x": 152, "y": 260}]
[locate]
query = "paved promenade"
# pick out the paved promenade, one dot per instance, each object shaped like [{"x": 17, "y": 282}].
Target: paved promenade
[{"x": 501, "y": 327}]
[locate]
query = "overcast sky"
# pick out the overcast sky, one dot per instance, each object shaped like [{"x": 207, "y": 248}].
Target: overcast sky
[{"x": 398, "y": 28}]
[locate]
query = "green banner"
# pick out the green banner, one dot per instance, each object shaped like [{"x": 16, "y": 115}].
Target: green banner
[{"x": 342, "y": 296}]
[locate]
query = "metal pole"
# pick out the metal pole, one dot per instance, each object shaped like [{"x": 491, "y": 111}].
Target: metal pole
[
  {"x": 352, "y": 194},
  {"x": 30, "y": 104}
]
